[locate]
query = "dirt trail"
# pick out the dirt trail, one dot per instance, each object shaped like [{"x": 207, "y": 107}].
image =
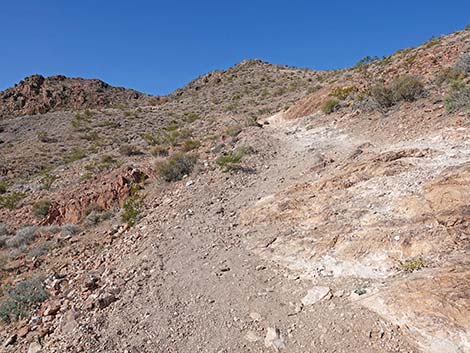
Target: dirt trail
[{"x": 191, "y": 284}]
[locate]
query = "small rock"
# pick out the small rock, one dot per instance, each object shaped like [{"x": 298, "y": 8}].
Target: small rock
[
  {"x": 338, "y": 293},
  {"x": 260, "y": 268},
  {"x": 22, "y": 332},
  {"x": 274, "y": 339},
  {"x": 255, "y": 316},
  {"x": 91, "y": 282},
  {"x": 10, "y": 340},
  {"x": 251, "y": 336},
  {"x": 105, "y": 300},
  {"x": 315, "y": 294},
  {"x": 34, "y": 347},
  {"x": 52, "y": 308}
]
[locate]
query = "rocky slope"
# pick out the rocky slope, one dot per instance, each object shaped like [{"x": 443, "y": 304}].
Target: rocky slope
[
  {"x": 37, "y": 95},
  {"x": 328, "y": 212}
]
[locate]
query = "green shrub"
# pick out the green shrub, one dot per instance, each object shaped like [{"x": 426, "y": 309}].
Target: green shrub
[
  {"x": 75, "y": 155},
  {"x": 382, "y": 95},
  {"x": 232, "y": 160},
  {"x": 47, "y": 180},
  {"x": 10, "y": 200},
  {"x": 233, "y": 130},
  {"x": 330, "y": 106},
  {"x": 159, "y": 151},
  {"x": 190, "y": 144},
  {"x": 129, "y": 150},
  {"x": 407, "y": 88},
  {"x": 450, "y": 75},
  {"x": 343, "y": 92},
  {"x": 176, "y": 166},
  {"x": 41, "y": 208},
  {"x": 3, "y": 187},
  {"x": 19, "y": 301},
  {"x": 191, "y": 117},
  {"x": 458, "y": 98},
  {"x": 131, "y": 209},
  {"x": 413, "y": 265}
]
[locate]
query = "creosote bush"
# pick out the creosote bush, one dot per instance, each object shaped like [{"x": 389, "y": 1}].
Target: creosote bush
[
  {"x": 406, "y": 88},
  {"x": 190, "y": 144},
  {"x": 176, "y": 166},
  {"x": 41, "y": 208},
  {"x": 11, "y": 200},
  {"x": 3, "y": 187},
  {"x": 129, "y": 150},
  {"x": 330, "y": 106},
  {"x": 159, "y": 151},
  {"x": 458, "y": 98},
  {"x": 19, "y": 301}
]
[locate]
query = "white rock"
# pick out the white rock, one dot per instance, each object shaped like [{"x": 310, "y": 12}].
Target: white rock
[
  {"x": 34, "y": 347},
  {"x": 274, "y": 339},
  {"x": 251, "y": 336},
  {"x": 315, "y": 294}
]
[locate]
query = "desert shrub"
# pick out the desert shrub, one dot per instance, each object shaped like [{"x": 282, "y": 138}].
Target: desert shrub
[
  {"x": 132, "y": 208},
  {"x": 4, "y": 229},
  {"x": 19, "y": 301},
  {"x": 231, "y": 161},
  {"x": 47, "y": 179},
  {"x": 75, "y": 155},
  {"x": 458, "y": 98},
  {"x": 190, "y": 144},
  {"x": 176, "y": 166},
  {"x": 413, "y": 265},
  {"x": 129, "y": 150},
  {"x": 407, "y": 88},
  {"x": 70, "y": 229},
  {"x": 41, "y": 208},
  {"x": 233, "y": 130},
  {"x": 431, "y": 42},
  {"x": 343, "y": 92},
  {"x": 22, "y": 237},
  {"x": 463, "y": 64},
  {"x": 42, "y": 249},
  {"x": 403, "y": 88},
  {"x": 11, "y": 200},
  {"x": 191, "y": 117},
  {"x": 330, "y": 106},
  {"x": 49, "y": 230},
  {"x": 43, "y": 136},
  {"x": 450, "y": 75},
  {"x": 3, "y": 187},
  {"x": 159, "y": 151},
  {"x": 92, "y": 218},
  {"x": 366, "y": 60}
]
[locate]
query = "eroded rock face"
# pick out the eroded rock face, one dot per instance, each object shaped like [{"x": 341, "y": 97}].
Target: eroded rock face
[
  {"x": 37, "y": 94},
  {"x": 112, "y": 191},
  {"x": 433, "y": 303}
]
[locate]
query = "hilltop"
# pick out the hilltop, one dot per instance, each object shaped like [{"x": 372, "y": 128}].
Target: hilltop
[{"x": 258, "y": 208}]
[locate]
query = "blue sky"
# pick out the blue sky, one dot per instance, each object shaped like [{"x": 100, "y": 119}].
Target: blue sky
[{"x": 158, "y": 46}]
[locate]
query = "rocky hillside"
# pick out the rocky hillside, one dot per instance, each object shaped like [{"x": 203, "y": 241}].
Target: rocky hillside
[
  {"x": 262, "y": 208},
  {"x": 37, "y": 95}
]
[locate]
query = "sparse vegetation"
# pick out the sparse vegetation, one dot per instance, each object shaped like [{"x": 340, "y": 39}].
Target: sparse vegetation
[
  {"x": 159, "y": 151},
  {"x": 129, "y": 150},
  {"x": 459, "y": 97},
  {"x": 231, "y": 161},
  {"x": 176, "y": 166},
  {"x": 190, "y": 144},
  {"x": 41, "y": 208},
  {"x": 70, "y": 229},
  {"x": 413, "y": 265},
  {"x": 463, "y": 64},
  {"x": 75, "y": 155},
  {"x": 404, "y": 88},
  {"x": 22, "y": 237},
  {"x": 132, "y": 207},
  {"x": 11, "y": 200},
  {"x": 330, "y": 106},
  {"x": 343, "y": 92},
  {"x": 20, "y": 300},
  {"x": 3, "y": 187},
  {"x": 47, "y": 180}
]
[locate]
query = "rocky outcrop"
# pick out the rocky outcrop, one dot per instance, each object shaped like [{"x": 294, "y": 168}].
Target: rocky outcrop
[
  {"x": 111, "y": 192},
  {"x": 37, "y": 94}
]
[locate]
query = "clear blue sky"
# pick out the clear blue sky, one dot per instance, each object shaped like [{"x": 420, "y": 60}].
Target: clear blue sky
[{"x": 158, "y": 46}]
